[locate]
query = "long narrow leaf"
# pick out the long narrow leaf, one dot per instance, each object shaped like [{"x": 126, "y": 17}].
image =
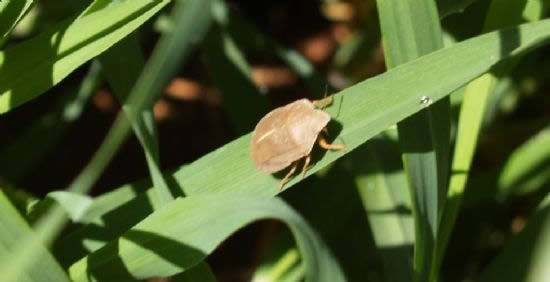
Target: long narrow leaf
[
  {"x": 36, "y": 141},
  {"x": 411, "y": 30},
  {"x": 526, "y": 256},
  {"x": 527, "y": 168},
  {"x": 360, "y": 110},
  {"x": 231, "y": 73},
  {"x": 123, "y": 64},
  {"x": 180, "y": 235},
  {"x": 11, "y": 12},
  {"x": 240, "y": 30},
  {"x": 173, "y": 48},
  {"x": 385, "y": 195},
  {"x": 29, "y": 68},
  {"x": 477, "y": 94},
  {"x": 13, "y": 228}
]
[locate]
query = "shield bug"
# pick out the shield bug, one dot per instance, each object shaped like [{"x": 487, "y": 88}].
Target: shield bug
[{"x": 287, "y": 134}]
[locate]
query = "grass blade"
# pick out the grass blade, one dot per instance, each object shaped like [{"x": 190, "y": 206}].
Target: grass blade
[
  {"x": 172, "y": 49},
  {"x": 410, "y": 31},
  {"x": 123, "y": 64},
  {"x": 200, "y": 272},
  {"x": 526, "y": 256},
  {"x": 472, "y": 112},
  {"x": 13, "y": 229},
  {"x": 360, "y": 109},
  {"x": 448, "y": 7},
  {"x": 231, "y": 73},
  {"x": 241, "y": 30},
  {"x": 180, "y": 235},
  {"x": 383, "y": 189},
  {"x": 33, "y": 145},
  {"x": 29, "y": 68},
  {"x": 11, "y": 12},
  {"x": 527, "y": 168},
  {"x": 363, "y": 112}
]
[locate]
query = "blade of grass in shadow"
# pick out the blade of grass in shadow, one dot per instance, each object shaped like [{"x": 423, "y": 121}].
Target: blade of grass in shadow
[
  {"x": 411, "y": 30},
  {"x": 31, "y": 146},
  {"x": 200, "y": 272},
  {"x": 527, "y": 169},
  {"x": 448, "y": 7},
  {"x": 358, "y": 50},
  {"x": 501, "y": 13},
  {"x": 360, "y": 110},
  {"x": 11, "y": 12},
  {"x": 384, "y": 191},
  {"x": 192, "y": 21},
  {"x": 281, "y": 258},
  {"x": 231, "y": 73},
  {"x": 175, "y": 238},
  {"x": 525, "y": 257},
  {"x": 29, "y": 68},
  {"x": 284, "y": 266},
  {"x": 241, "y": 31},
  {"x": 13, "y": 229},
  {"x": 21, "y": 199},
  {"x": 123, "y": 64},
  {"x": 336, "y": 214}
]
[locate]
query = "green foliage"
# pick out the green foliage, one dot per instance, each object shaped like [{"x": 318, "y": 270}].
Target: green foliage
[
  {"x": 14, "y": 228},
  {"x": 35, "y": 65},
  {"x": 356, "y": 214},
  {"x": 410, "y": 31}
]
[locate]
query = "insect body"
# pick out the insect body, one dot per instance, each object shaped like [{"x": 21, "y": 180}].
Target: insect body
[{"x": 287, "y": 134}]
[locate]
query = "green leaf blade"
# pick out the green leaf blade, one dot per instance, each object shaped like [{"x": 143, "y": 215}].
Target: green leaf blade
[
  {"x": 13, "y": 229},
  {"x": 31, "y": 67},
  {"x": 362, "y": 111},
  {"x": 180, "y": 235},
  {"x": 411, "y": 30},
  {"x": 525, "y": 257}
]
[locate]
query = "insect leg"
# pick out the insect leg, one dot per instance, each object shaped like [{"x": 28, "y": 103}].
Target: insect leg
[
  {"x": 333, "y": 147},
  {"x": 306, "y": 164},
  {"x": 285, "y": 180}
]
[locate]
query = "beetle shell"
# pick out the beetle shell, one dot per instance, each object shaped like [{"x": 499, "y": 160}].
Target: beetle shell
[{"x": 286, "y": 134}]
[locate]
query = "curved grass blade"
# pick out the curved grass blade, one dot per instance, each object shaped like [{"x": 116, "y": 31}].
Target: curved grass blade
[
  {"x": 200, "y": 272},
  {"x": 122, "y": 65},
  {"x": 29, "y": 68},
  {"x": 172, "y": 49},
  {"x": 21, "y": 200},
  {"x": 331, "y": 204},
  {"x": 13, "y": 229},
  {"x": 525, "y": 257},
  {"x": 360, "y": 109},
  {"x": 11, "y": 12},
  {"x": 33, "y": 145},
  {"x": 281, "y": 269},
  {"x": 177, "y": 237},
  {"x": 527, "y": 169}
]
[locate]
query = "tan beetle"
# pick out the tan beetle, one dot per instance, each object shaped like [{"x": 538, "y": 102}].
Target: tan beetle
[{"x": 287, "y": 134}]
